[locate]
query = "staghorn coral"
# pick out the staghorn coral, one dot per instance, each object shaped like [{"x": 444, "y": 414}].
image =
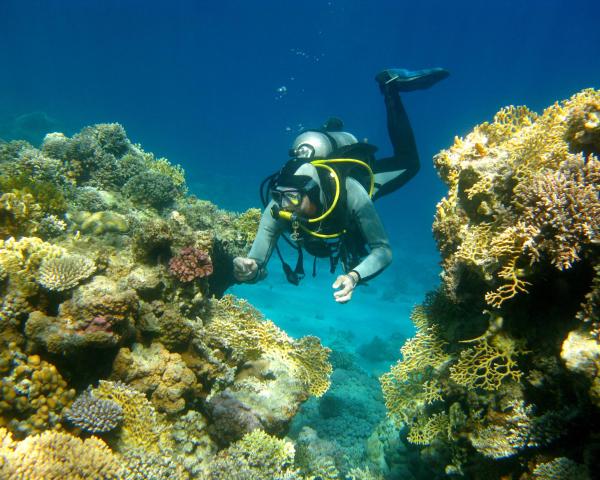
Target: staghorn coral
[
  {"x": 94, "y": 415},
  {"x": 57, "y": 456},
  {"x": 191, "y": 263},
  {"x": 65, "y": 272}
]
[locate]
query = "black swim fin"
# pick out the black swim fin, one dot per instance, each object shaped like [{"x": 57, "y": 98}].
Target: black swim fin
[{"x": 403, "y": 80}]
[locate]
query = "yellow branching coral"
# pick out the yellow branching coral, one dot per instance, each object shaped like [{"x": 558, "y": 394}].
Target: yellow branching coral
[
  {"x": 409, "y": 385},
  {"x": 142, "y": 429},
  {"x": 238, "y": 326},
  {"x": 57, "y": 456},
  {"x": 426, "y": 429},
  {"x": 487, "y": 363},
  {"x": 19, "y": 214},
  {"x": 522, "y": 189}
]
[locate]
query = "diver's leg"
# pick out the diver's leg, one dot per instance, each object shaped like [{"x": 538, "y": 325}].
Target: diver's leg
[{"x": 393, "y": 172}]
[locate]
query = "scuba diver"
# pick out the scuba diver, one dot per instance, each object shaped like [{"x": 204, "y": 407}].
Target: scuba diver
[{"x": 321, "y": 201}]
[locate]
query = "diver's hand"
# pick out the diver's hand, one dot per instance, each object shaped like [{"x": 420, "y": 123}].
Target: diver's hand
[
  {"x": 244, "y": 269},
  {"x": 346, "y": 285}
]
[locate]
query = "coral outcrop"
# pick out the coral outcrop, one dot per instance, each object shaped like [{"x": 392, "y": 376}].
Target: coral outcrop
[
  {"x": 111, "y": 286},
  {"x": 501, "y": 379}
]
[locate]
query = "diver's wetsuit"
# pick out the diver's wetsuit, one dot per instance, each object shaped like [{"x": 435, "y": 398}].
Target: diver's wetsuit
[
  {"x": 393, "y": 172},
  {"x": 362, "y": 215},
  {"x": 390, "y": 174}
]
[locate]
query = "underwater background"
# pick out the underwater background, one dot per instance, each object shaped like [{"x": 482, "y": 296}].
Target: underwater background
[{"x": 222, "y": 89}]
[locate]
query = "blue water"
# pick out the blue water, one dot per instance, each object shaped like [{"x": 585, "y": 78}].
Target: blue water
[{"x": 223, "y": 87}]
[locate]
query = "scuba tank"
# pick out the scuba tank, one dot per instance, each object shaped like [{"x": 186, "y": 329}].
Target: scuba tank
[{"x": 320, "y": 144}]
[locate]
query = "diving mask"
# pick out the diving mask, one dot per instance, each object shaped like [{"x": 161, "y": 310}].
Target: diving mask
[{"x": 286, "y": 198}]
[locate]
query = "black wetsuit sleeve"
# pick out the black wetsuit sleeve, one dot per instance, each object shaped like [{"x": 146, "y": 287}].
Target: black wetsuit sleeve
[
  {"x": 269, "y": 230},
  {"x": 366, "y": 218}
]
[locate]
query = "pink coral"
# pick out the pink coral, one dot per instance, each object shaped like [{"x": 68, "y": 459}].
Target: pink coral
[{"x": 191, "y": 263}]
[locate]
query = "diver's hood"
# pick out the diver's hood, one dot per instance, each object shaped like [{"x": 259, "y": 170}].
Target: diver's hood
[{"x": 317, "y": 144}]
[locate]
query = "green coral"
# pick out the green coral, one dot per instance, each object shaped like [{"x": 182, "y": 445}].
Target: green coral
[
  {"x": 151, "y": 189},
  {"x": 44, "y": 193}
]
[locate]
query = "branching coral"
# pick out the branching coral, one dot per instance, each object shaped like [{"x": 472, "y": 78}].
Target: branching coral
[
  {"x": 65, "y": 272},
  {"x": 94, "y": 415},
  {"x": 55, "y": 456},
  {"x": 487, "y": 363},
  {"x": 236, "y": 325},
  {"x": 560, "y": 468},
  {"x": 426, "y": 429},
  {"x": 142, "y": 428},
  {"x": 410, "y": 385},
  {"x": 520, "y": 192},
  {"x": 257, "y": 456}
]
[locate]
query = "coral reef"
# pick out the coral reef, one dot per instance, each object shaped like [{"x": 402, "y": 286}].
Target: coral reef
[
  {"x": 501, "y": 379},
  {"x": 111, "y": 284}
]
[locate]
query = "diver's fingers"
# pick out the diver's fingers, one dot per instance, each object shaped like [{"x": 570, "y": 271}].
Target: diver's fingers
[
  {"x": 339, "y": 281},
  {"x": 346, "y": 297}
]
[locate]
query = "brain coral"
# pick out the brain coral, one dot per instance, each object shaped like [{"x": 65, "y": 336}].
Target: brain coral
[{"x": 65, "y": 272}]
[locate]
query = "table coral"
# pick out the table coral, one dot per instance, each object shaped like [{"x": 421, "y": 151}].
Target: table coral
[{"x": 65, "y": 272}]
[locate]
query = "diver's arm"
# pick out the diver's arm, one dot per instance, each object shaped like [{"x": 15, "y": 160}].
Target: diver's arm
[
  {"x": 366, "y": 217},
  {"x": 269, "y": 230}
]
